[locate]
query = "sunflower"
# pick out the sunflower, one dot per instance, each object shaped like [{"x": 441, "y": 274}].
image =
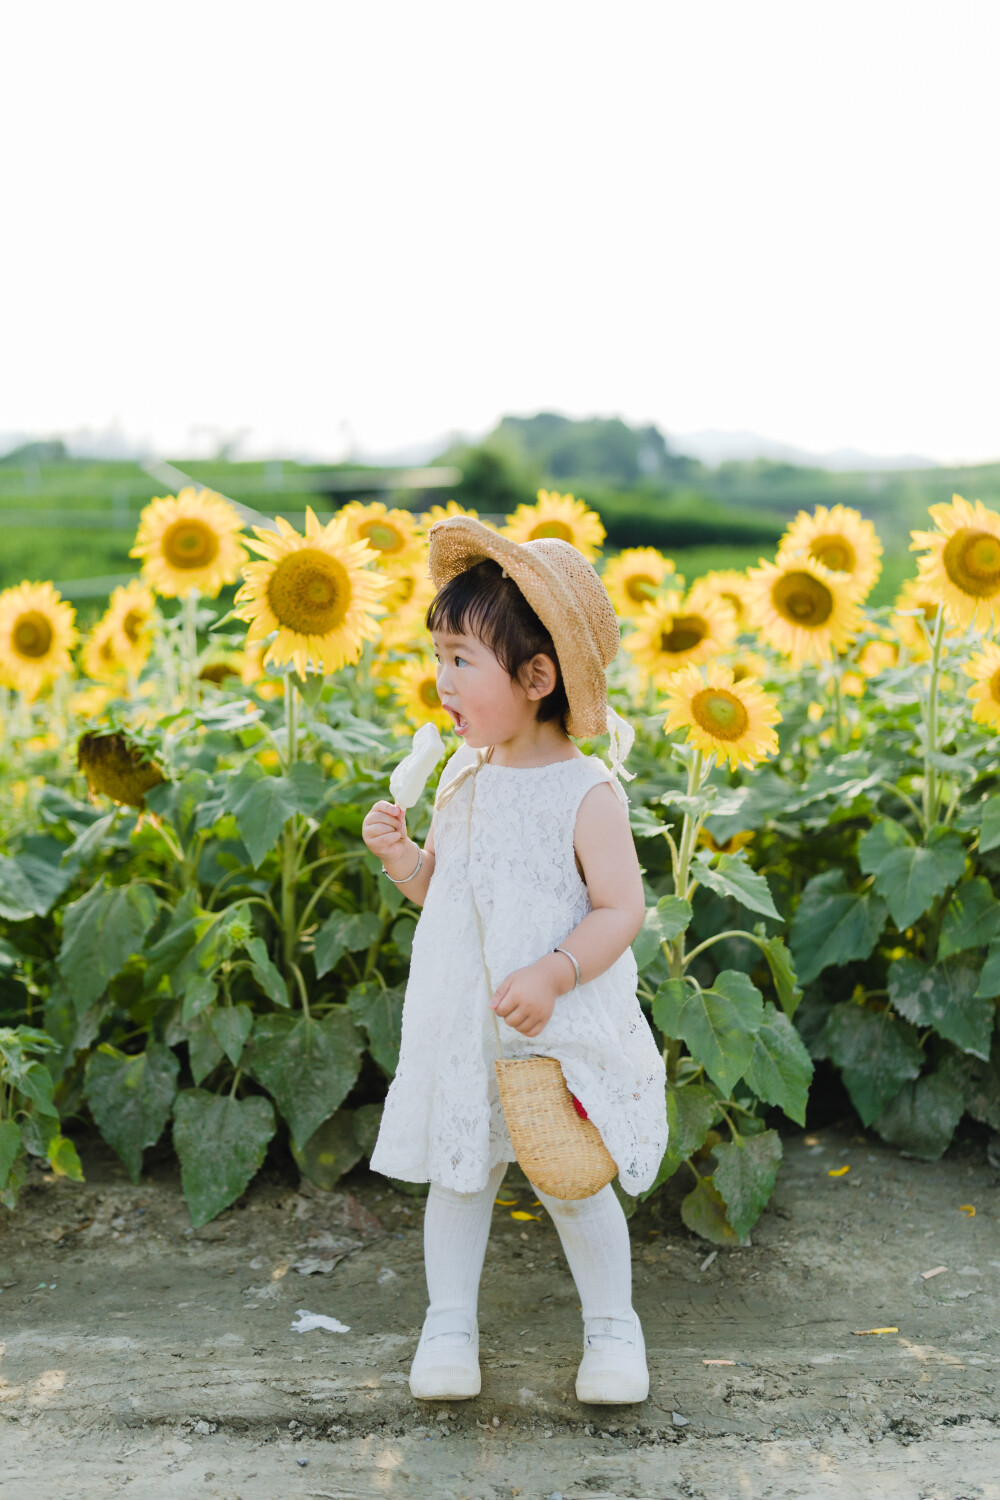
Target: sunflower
[
  {"x": 728, "y": 585},
  {"x": 315, "y": 591},
  {"x": 252, "y": 674},
  {"x": 802, "y": 609},
  {"x": 732, "y": 721},
  {"x": 747, "y": 664},
  {"x": 99, "y": 656},
  {"x": 36, "y": 636},
  {"x": 443, "y": 513},
  {"x": 915, "y": 594},
  {"x": 557, "y": 516},
  {"x": 130, "y": 614},
  {"x": 634, "y": 577},
  {"x": 189, "y": 541},
  {"x": 406, "y": 602},
  {"x": 839, "y": 539},
  {"x": 984, "y": 669},
  {"x": 961, "y": 564},
  {"x": 875, "y": 656},
  {"x": 731, "y": 845},
  {"x": 118, "y": 768},
  {"x": 393, "y": 535},
  {"x": 415, "y": 686},
  {"x": 670, "y": 634}
]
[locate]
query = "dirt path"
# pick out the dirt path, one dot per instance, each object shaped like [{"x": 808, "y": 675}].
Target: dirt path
[{"x": 140, "y": 1358}]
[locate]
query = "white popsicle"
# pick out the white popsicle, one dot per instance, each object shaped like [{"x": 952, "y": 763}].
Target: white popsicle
[{"x": 410, "y": 776}]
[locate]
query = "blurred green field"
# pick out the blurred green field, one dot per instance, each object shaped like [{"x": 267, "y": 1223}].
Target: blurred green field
[{"x": 74, "y": 521}]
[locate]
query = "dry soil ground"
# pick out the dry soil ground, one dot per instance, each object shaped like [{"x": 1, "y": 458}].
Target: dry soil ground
[{"x": 145, "y": 1359}]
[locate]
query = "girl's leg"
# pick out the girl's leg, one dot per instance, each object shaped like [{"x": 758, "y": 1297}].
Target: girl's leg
[
  {"x": 595, "y": 1239},
  {"x": 456, "y": 1228}
]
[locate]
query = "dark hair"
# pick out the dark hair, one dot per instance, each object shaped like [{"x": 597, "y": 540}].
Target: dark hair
[{"x": 485, "y": 603}]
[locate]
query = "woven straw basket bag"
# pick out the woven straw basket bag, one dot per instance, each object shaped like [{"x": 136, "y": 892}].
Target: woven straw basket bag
[{"x": 556, "y": 1149}]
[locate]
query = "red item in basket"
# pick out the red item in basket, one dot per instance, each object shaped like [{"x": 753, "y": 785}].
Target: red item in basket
[{"x": 579, "y": 1108}]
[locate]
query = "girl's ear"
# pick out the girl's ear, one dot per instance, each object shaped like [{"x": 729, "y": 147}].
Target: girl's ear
[{"x": 539, "y": 676}]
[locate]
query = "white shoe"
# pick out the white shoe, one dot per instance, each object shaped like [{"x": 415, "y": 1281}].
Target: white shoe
[
  {"x": 446, "y": 1364},
  {"x": 613, "y": 1369}
]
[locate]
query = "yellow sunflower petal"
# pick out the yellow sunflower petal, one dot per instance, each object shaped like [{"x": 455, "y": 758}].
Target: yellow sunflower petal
[
  {"x": 415, "y": 686},
  {"x": 99, "y": 657},
  {"x": 960, "y": 565},
  {"x": 726, "y": 584},
  {"x": 318, "y": 593},
  {"x": 189, "y": 541},
  {"x": 392, "y": 535},
  {"x": 633, "y": 578},
  {"x": 984, "y": 669},
  {"x": 37, "y": 634},
  {"x": 841, "y": 540},
  {"x": 802, "y": 609},
  {"x": 559, "y": 516},
  {"x": 730, "y": 720},
  {"x": 131, "y": 614},
  {"x": 671, "y": 634}
]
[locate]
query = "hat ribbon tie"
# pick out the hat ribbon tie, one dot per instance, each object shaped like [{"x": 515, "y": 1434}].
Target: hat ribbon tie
[{"x": 622, "y": 739}]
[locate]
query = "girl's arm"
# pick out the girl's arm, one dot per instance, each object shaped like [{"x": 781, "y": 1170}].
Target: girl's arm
[
  {"x": 610, "y": 866},
  {"x": 384, "y": 832}
]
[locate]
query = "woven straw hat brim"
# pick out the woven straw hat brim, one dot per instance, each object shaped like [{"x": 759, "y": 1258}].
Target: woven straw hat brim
[{"x": 566, "y": 594}]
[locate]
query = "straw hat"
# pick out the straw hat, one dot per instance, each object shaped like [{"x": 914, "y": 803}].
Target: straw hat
[{"x": 564, "y": 591}]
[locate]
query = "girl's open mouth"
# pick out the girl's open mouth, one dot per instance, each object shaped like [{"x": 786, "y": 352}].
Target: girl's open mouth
[{"x": 460, "y": 725}]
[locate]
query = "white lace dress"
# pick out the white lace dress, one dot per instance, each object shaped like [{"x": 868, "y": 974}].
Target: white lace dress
[{"x": 442, "y": 1120}]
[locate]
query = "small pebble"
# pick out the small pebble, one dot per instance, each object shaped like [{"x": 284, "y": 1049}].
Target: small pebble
[
  {"x": 302, "y": 1462},
  {"x": 678, "y": 1420}
]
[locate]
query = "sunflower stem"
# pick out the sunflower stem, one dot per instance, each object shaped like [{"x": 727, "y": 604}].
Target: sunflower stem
[
  {"x": 189, "y": 648},
  {"x": 838, "y": 699},
  {"x": 689, "y": 833},
  {"x": 289, "y": 849},
  {"x": 932, "y": 787}
]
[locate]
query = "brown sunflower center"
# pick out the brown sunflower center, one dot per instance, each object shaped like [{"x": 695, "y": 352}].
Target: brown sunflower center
[
  {"x": 736, "y": 602},
  {"x": 309, "y": 592},
  {"x": 106, "y": 650},
  {"x": 972, "y": 562},
  {"x": 995, "y": 686},
  {"x": 685, "y": 633},
  {"x": 117, "y": 768},
  {"x": 132, "y": 624},
  {"x": 803, "y": 600},
  {"x": 381, "y": 536},
  {"x": 834, "y": 552},
  {"x": 558, "y": 529},
  {"x": 190, "y": 543},
  {"x": 404, "y": 589},
  {"x": 429, "y": 694},
  {"x": 32, "y": 635},
  {"x": 720, "y": 713},
  {"x": 639, "y": 587}
]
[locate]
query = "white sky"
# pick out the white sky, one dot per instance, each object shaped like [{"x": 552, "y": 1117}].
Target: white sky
[{"x": 413, "y": 217}]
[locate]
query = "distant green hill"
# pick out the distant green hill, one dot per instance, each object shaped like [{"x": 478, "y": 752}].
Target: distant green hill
[{"x": 74, "y": 521}]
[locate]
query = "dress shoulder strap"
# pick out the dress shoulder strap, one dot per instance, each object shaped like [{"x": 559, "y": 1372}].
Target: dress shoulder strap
[{"x": 596, "y": 771}]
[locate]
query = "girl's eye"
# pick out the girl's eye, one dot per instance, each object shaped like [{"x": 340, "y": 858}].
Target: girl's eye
[{"x": 460, "y": 660}]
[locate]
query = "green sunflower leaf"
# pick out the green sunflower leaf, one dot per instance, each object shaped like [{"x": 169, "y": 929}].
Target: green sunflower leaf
[
  {"x": 876, "y": 1053},
  {"x": 910, "y": 875},
  {"x": 130, "y": 1098},
  {"x": 922, "y": 1117},
  {"x": 718, "y": 1024},
  {"x": 745, "y": 1176},
  {"x": 944, "y": 995},
  {"x": 732, "y": 876},
  {"x": 308, "y": 1066},
  {"x": 971, "y": 919},
  {"x": 780, "y": 1069},
  {"x": 833, "y": 925},
  {"x": 221, "y": 1143}
]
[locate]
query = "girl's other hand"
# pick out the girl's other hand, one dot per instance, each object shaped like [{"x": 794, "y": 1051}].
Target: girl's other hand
[
  {"x": 384, "y": 831},
  {"x": 526, "y": 998}
]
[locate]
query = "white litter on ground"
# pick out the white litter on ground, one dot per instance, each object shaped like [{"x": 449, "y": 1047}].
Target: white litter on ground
[{"x": 307, "y": 1321}]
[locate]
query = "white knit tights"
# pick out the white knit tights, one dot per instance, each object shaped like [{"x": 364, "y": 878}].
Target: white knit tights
[{"x": 595, "y": 1240}]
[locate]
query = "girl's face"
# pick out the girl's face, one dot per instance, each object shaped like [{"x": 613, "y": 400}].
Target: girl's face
[{"x": 486, "y": 706}]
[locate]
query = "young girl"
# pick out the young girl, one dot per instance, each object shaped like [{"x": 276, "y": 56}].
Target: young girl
[{"x": 536, "y": 836}]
